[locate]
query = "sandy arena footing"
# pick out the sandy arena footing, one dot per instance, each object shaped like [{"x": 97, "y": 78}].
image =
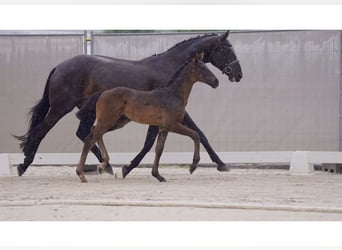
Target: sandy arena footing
[{"x": 55, "y": 193}]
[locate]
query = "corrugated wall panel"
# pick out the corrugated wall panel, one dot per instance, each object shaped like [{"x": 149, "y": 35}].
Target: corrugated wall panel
[
  {"x": 288, "y": 99},
  {"x": 25, "y": 63}
]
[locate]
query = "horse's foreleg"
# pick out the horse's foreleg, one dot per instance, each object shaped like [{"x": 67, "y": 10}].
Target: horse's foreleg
[
  {"x": 149, "y": 141},
  {"x": 183, "y": 130},
  {"x": 213, "y": 156},
  {"x": 159, "y": 150}
]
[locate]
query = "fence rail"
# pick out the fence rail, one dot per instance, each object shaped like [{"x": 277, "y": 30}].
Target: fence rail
[{"x": 300, "y": 162}]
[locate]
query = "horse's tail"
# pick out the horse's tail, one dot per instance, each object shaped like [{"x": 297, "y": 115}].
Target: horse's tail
[
  {"x": 37, "y": 112},
  {"x": 88, "y": 110}
]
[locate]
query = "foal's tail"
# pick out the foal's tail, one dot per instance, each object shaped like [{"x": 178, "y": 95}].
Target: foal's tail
[
  {"x": 38, "y": 113},
  {"x": 88, "y": 110}
]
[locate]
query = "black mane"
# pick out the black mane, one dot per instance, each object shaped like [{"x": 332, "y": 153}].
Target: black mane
[{"x": 192, "y": 39}]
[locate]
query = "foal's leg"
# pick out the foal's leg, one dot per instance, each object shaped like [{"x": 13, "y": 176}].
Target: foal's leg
[
  {"x": 92, "y": 138},
  {"x": 183, "y": 130},
  {"x": 104, "y": 154},
  {"x": 87, "y": 116},
  {"x": 213, "y": 156},
  {"x": 82, "y": 132},
  {"x": 149, "y": 141},
  {"x": 88, "y": 144},
  {"x": 159, "y": 150}
]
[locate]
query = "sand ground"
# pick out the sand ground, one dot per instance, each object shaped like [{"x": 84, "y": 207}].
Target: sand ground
[{"x": 54, "y": 193}]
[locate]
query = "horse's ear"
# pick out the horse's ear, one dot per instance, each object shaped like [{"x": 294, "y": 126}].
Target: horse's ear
[{"x": 224, "y": 36}]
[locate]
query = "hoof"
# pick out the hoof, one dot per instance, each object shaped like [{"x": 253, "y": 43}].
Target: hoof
[
  {"x": 158, "y": 177},
  {"x": 108, "y": 169},
  {"x": 84, "y": 180},
  {"x": 21, "y": 170},
  {"x": 99, "y": 169},
  {"x": 125, "y": 171},
  {"x": 161, "y": 179},
  {"x": 192, "y": 168},
  {"x": 223, "y": 168},
  {"x": 81, "y": 176}
]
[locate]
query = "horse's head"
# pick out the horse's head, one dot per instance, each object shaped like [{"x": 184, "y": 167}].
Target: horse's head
[
  {"x": 224, "y": 58},
  {"x": 201, "y": 71}
]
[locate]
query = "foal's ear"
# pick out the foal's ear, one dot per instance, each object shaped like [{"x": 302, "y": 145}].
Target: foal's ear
[
  {"x": 224, "y": 36},
  {"x": 198, "y": 57},
  {"x": 201, "y": 56}
]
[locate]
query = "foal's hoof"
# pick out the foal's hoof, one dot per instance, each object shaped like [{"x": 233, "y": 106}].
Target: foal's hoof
[
  {"x": 20, "y": 170},
  {"x": 81, "y": 176},
  {"x": 223, "y": 168},
  {"x": 192, "y": 168},
  {"x": 158, "y": 177}
]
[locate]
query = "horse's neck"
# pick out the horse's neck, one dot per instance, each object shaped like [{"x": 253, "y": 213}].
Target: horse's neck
[{"x": 170, "y": 60}]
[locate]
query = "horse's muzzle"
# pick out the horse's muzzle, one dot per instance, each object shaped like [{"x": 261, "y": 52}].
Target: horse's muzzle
[{"x": 216, "y": 84}]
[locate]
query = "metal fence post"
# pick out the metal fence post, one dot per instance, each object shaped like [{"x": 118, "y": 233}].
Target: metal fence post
[{"x": 88, "y": 42}]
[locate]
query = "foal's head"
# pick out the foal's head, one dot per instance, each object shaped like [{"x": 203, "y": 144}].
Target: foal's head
[{"x": 201, "y": 73}]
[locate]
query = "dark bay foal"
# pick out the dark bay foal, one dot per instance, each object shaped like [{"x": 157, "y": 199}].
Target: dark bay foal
[{"x": 163, "y": 107}]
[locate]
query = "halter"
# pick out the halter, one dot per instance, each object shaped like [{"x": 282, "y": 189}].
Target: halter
[{"x": 227, "y": 67}]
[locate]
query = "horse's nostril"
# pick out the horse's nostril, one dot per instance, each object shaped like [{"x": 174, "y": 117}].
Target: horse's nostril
[{"x": 240, "y": 75}]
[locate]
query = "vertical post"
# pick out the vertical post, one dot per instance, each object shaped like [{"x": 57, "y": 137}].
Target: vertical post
[
  {"x": 300, "y": 164},
  {"x": 340, "y": 107},
  {"x": 88, "y": 42}
]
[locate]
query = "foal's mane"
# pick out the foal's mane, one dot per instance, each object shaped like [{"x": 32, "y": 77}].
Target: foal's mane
[{"x": 178, "y": 72}]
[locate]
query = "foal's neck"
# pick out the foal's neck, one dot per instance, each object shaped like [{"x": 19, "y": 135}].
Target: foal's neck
[{"x": 182, "y": 86}]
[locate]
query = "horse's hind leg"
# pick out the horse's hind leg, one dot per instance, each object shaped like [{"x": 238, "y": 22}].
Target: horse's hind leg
[
  {"x": 159, "y": 150},
  {"x": 183, "y": 130},
  {"x": 36, "y": 136}
]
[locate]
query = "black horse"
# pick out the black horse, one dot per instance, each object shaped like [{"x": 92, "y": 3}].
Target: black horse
[{"x": 71, "y": 82}]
